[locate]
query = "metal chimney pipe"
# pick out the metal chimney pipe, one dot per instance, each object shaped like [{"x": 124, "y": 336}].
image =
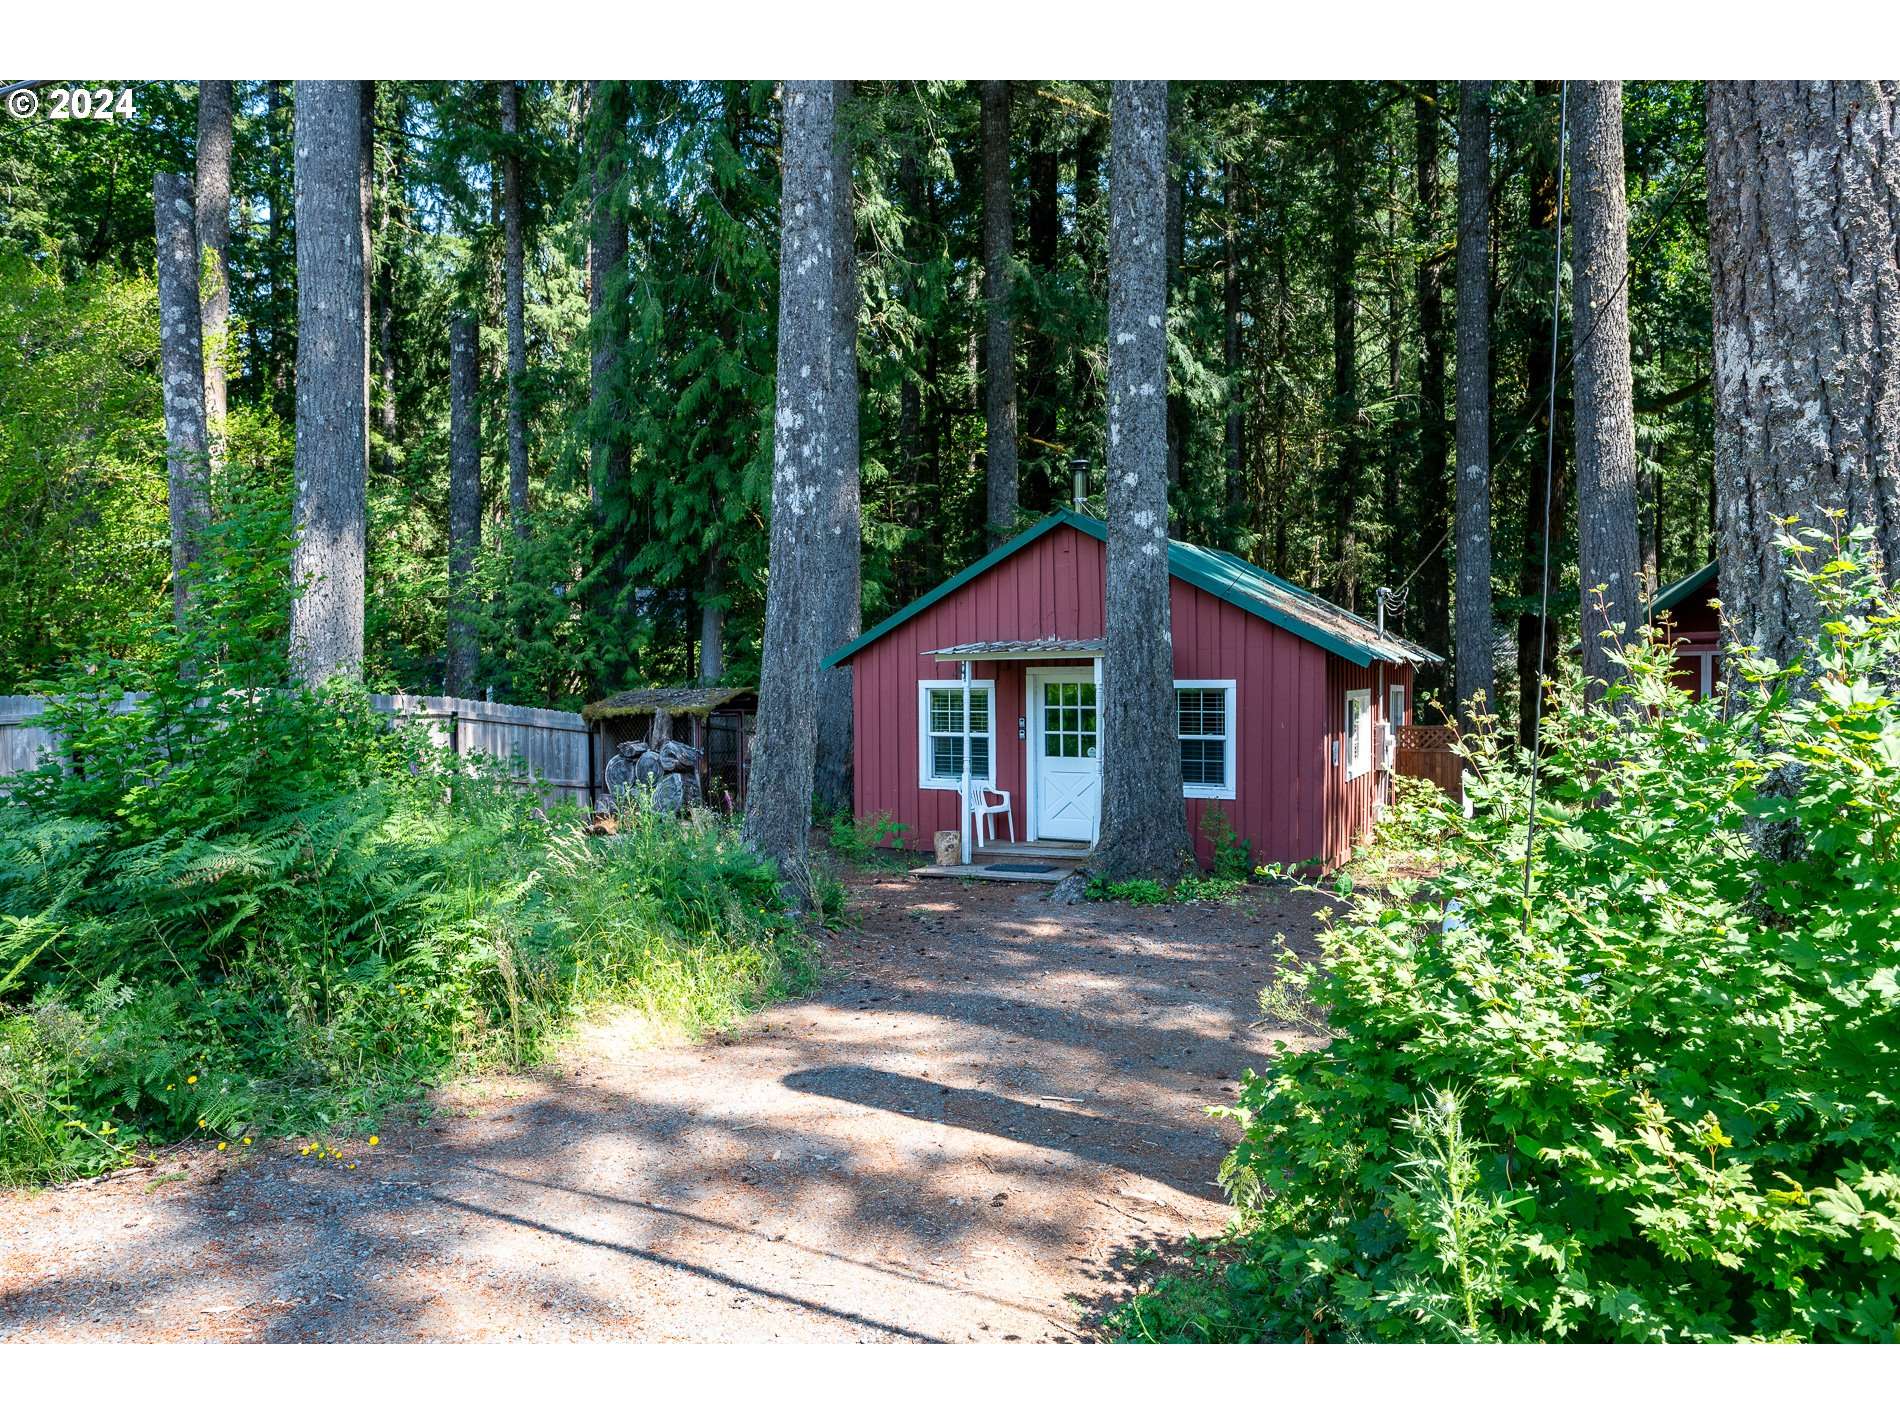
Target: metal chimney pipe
[{"x": 1078, "y": 479}]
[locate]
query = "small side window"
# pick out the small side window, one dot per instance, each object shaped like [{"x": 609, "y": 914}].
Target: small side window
[{"x": 1358, "y": 738}]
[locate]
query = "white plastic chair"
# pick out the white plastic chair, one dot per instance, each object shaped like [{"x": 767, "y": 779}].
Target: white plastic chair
[{"x": 985, "y": 809}]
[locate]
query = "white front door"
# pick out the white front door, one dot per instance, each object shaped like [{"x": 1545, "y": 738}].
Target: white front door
[{"x": 1068, "y": 767}]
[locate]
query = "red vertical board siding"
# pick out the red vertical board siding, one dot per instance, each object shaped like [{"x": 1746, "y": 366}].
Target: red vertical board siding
[{"x": 1293, "y": 804}]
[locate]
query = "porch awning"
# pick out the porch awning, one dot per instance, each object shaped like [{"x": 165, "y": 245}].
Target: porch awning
[{"x": 1020, "y": 649}]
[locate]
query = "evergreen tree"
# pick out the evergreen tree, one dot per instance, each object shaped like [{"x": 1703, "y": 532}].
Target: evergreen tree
[{"x": 1143, "y": 825}]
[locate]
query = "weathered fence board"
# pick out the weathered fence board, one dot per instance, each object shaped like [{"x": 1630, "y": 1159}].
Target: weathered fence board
[
  {"x": 1425, "y": 750},
  {"x": 527, "y": 745}
]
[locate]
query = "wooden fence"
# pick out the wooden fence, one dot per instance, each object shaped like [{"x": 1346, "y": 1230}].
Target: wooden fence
[
  {"x": 528, "y": 745},
  {"x": 1425, "y": 750}
]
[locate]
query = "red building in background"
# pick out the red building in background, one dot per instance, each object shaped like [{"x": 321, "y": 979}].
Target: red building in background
[
  {"x": 1284, "y": 702},
  {"x": 1687, "y": 608}
]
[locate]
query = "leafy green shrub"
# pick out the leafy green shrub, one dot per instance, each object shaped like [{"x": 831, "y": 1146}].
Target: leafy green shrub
[
  {"x": 1652, "y": 1102},
  {"x": 248, "y": 906},
  {"x": 1189, "y": 890},
  {"x": 1233, "y": 854},
  {"x": 858, "y": 838}
]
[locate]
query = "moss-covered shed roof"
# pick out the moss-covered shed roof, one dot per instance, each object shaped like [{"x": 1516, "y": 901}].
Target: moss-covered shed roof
[{"x": 637, "y": 702}]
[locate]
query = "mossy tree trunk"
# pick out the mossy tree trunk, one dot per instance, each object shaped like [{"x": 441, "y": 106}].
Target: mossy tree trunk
[
  {"x": 181, "y": 356},
  {"x": 1143, "y": 822}
]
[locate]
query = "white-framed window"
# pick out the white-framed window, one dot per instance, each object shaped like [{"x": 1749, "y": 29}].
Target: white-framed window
[
  {"x": 940, "y": 733},
  {"x": 1204, "y": 721},
  {"x": 1395, "y": 705},
  {"x": 1358, "y": 732}
]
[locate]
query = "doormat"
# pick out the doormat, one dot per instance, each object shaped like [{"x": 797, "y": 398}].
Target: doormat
[{"x": 1026, "y": 867}]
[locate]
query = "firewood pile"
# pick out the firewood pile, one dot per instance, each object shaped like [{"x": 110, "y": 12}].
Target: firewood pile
[{"x": 666, "y": 779}]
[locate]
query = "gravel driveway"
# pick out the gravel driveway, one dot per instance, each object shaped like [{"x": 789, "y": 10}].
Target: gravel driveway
[{"x": 972, "y": 1133}]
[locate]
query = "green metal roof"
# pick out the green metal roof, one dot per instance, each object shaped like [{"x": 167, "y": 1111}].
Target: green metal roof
[
  {"x": 1226, "y": 576},
  {"x": 1684, "y": 588}
]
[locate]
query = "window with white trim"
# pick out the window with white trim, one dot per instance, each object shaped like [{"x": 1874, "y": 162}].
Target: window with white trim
[
  {"x": 940, "y": 733},
  {"x": 1358, "y": 733},
  {"x": 1204, "y": 722}
]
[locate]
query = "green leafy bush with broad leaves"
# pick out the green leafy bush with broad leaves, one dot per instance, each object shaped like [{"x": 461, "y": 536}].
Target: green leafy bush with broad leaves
[
  {"x": 243, "y": 906},
  {"x": 861, "y": 838},
  {"x": 1652, "y": 1102}
]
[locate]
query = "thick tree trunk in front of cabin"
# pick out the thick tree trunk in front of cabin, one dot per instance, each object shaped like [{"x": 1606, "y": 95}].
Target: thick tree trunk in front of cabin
[
  {"x": 514, "y": 301},
  {"x": 1607, "y": 554},
  {"x": 465, "y": 504},
  {"x": 181, "y": 357},
  {"x": 1143, "y": 823},
  {"x": 805, "y": 475},
  {"x": 1000, "y": 343},
  {"x": 212, "y": 202},
  {"x": 1804, "y": 252},
  {"x": 842, "y": 526},
  {"x": 329, "y": 509},
  {"x": 1476, "y": 629},
  {"x": 1431, "y": 623}
]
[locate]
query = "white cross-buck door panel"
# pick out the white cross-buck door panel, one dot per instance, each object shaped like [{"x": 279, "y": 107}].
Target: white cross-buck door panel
[{"x": 1066, "y": 731}]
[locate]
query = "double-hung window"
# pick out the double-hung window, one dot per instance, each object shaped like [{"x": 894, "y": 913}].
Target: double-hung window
[
  {"x": 1204, "y": 723},
  {"x": 1358, "y": 732},
  {"x": 940, "y": 734}
]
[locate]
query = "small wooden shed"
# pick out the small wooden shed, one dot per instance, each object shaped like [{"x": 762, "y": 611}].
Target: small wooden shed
[{"x": 718, "y": 721}]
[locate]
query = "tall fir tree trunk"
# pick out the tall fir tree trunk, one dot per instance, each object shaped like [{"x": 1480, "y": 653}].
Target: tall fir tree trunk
[
  {"x": 1040, "y": 397},
  {"x": 1607, "y": 555},
  {"x": 388, "y": 331},
  {"x": 1342, "y": 263},
  {"x": 366, "y": 194},
  {"x": 1087, "y": 201},
  {"x": 280, "y": 265},
  {"x": 465, "y": 504},
  {"x": 806, "y": 471},
  {"x": 181, "y": 357},
  {"x": 841, "y": 530},
  {"x": 1178, "y": 412},
  {"x": 326, "y": 608},
  {"x": 712, "y": 622},
  {"x": 1432, "y": 599},
  {"x": 610, "y": 460},
  {"x": 514, "y": 300},
  {"x": 1476, "y": 631},
  {"x": 213, "y": 206},
  {"x": 1547, "y": 492},
  {"x": 1000, "y": 342},
  {"x": 1804, "y": 252},
  {"x": 1143, "y": 821},
  {"x": 910, "y": 404},
  {"x": 1235, "y": 447}
]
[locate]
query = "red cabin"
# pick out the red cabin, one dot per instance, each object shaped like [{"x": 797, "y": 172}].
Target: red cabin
[
  {"x": 1688, "y": 609},
  {"x": 1284, "y": 703}
]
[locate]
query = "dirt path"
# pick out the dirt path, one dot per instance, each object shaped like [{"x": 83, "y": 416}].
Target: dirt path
[{"x": 969, "y": 1134}]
